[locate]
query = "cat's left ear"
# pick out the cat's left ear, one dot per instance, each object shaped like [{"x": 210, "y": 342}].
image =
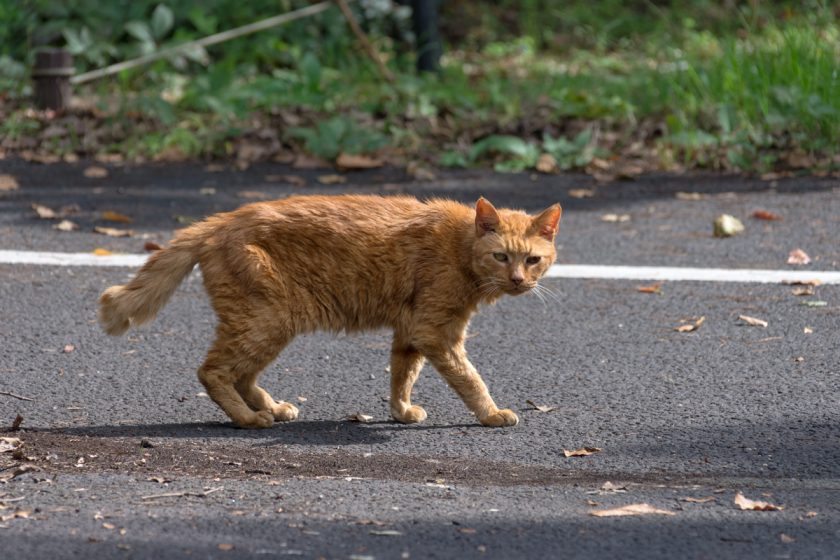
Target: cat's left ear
[
  {"x": 486, "y": 218},
  {"x": 547, "y": 222}
]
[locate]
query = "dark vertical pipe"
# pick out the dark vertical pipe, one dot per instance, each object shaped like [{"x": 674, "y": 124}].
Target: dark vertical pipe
[
  {"x": 51, "y": 74},
  {"x": 424, "y": 14}
]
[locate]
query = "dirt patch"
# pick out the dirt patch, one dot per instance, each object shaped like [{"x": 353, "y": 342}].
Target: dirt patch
[{"x": 55, "y": 452}]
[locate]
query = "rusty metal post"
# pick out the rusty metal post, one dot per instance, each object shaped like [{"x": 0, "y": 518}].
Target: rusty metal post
[{"x": 51, "y": 74}]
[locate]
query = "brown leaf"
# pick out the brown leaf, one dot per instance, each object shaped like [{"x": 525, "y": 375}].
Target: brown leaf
[
  {"x": 798, "y": 256},
  {"x": 765, "y": 215},
  {"x": 803, "y": 291},
  {"x": 99, "y": 252},
  {"x": 8, "y": 183},
  {"x": 581, "y": 193},
  {"x": 359, "y": 417},
  {"x": 754, "y": 505},
  {"x": 225, "y": 546},
  {"x": 615, "y": 218},
  {"x": 112, "y": 216},
  {"x": 652, "y": 289},
  {"x": 632, "y": 509},
  {"x": 113, "y": 232},
  {"x": 68, "y": 348},
  {"x": 331, "y": 179},
  {"x": 690, "y": 196},
  {"x": 254, "y": 195},
  {"x": 353, "y": 161},
  {"x": 691, "y": 500},
  {"x": 109, "y": 526},
  {"x": 540, "y": 407},
  {"x": 96, "y": 172},
  {"x": 546, "y": 164},
  {"x": 691, "y": 326},
  {"x": 302, "y": 161},
  {"x": 785, "y": 538},
  {"x": 294, "y": 180},
  {"x": 8, "y": 444},
  {"x": 582, "y": 452},
  {"x": 44, "y": 212},
  {"x": 752, "y": 321},
  {"x": 66, "y": 225},
  {"x": 151, "y": 246}
]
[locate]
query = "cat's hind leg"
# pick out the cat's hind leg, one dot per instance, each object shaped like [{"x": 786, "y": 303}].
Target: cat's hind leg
[
  {"x": 229, "y": 371},
  {"x": 406, "y": 363},
  {"x": 260, "y": 399}
]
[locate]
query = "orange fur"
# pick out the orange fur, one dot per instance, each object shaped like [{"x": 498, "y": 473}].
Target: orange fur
[{"x": 274, "y": 270}]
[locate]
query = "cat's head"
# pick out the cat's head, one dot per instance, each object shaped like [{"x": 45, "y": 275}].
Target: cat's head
[{"x": 512, "y": 250}]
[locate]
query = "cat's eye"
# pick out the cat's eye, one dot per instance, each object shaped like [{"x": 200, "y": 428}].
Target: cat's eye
[
  {"x": 532, "y": 259},
  {"x": 501, "y": 257}
]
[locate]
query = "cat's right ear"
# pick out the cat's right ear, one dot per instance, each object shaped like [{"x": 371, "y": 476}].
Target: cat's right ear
[{"x": 486, "y": 217}]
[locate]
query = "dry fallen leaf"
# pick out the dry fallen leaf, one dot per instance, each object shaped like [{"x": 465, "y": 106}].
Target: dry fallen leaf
[
  {"x": 540, "y": 407},
  {"x": 582, "y": 452},
  {"x": 693, "y": 196},
  {"x": 754, "y": 505},
  {"x": 225, "y": 546},
  {"x": 632, "y": 509},
  {"x": 95, "y": 172},
  {"x": 102, "y": 252},
  {"x": 303, "y": 161},
  {"x": 808, "y": 330},
  {"x": 691, "y": 500},
  {"x": 813, "y": 282},
  {"x": 8, "y": 444},
  {"x": 765, "y": 215},
  {"x": 798, "y": 257},
  {"x": 752, "y": 321},
  {"x": 359, "y": 417},
  {"x": 546, "y": 164},
  {"x": 113, "y": 232},
  {"x": 652, "y": 289},
  {"x": 785, "y": 538},
  {"x": 109, "y": 526},
  {"x": 68, "y": 348},
  {"x": 351, "y": 161},
  {"x": 257, "y": 195},
  {"x": 331, "y": 179},
  {"x": 8, "y": 183},
  {"x": 301, "y": 399},
  {"x": 44, "y": 212},
  {"x": 727, "y": 226},
  {"x": 294, "y": 180},
  {"x": 803, "y": 291},
  {"x": 66, "y": 225},
  {"x": 111, "y": 216},
  {"x": 581, "y": 193},
  {"x": 615, "y": 218},
  {"x": 691, "y": 326},
  {"x": 151, "y": 246}
]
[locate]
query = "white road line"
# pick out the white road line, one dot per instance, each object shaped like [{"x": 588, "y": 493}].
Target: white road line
[{"x": 605, "y": 272}]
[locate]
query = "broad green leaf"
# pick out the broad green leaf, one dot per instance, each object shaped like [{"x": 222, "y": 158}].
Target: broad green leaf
[
  {"x": 162, "y": 21},
  {"x": 140, "y": 31}
]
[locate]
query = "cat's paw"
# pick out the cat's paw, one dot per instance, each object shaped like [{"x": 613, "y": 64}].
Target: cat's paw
[
  {"x": 260, "y": 419},
  {"x": 412, "y": 415},
  {"x": 501, "y": 418},
  {"x": 285, "y": 412}
]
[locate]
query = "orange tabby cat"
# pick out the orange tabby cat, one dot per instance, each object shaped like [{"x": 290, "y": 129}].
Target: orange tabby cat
[{"x": 274, "y": 270}]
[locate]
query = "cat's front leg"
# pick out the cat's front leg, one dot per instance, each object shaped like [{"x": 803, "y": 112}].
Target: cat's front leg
[
  {"x": 452, "y": 363},
  {"x": 406, "y": 363}
]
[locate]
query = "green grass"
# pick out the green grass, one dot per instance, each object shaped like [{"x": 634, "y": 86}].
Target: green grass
[{"x": 692, "y": 83}]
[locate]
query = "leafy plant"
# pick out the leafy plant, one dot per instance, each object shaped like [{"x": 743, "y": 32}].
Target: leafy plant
[{"x": 331, "y": 137}]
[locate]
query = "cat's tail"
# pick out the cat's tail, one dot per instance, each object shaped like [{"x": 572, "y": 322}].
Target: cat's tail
[{"x": 137, "y": 302}]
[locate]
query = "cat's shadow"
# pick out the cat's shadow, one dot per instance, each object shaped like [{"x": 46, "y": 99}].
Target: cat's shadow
[{"x": 305, "y": 432}]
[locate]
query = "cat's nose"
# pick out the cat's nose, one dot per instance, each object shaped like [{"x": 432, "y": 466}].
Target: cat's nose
[{"x": 516, "y": 281}]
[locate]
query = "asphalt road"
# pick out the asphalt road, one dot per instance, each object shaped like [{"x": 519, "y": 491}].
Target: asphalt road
[{"x": 698, "y": 415}]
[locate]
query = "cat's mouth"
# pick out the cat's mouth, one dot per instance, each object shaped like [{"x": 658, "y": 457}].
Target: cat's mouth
[{"x": 519, "y": 289}]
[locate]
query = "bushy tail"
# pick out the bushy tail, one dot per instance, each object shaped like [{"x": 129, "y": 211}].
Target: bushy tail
[{"x": 139, "y": 301}]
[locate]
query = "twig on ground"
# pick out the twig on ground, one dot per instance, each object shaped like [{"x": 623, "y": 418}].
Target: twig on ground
[
  {"x": 363, "y": 40},
  {"x": 10, "y": 394},
  {"x": 182, "y": 494}
]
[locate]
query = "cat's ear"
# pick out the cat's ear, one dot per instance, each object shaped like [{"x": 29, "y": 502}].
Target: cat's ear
[
  {"x": 546, "y": 223},
  {"x": 486, "y": 217}
]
